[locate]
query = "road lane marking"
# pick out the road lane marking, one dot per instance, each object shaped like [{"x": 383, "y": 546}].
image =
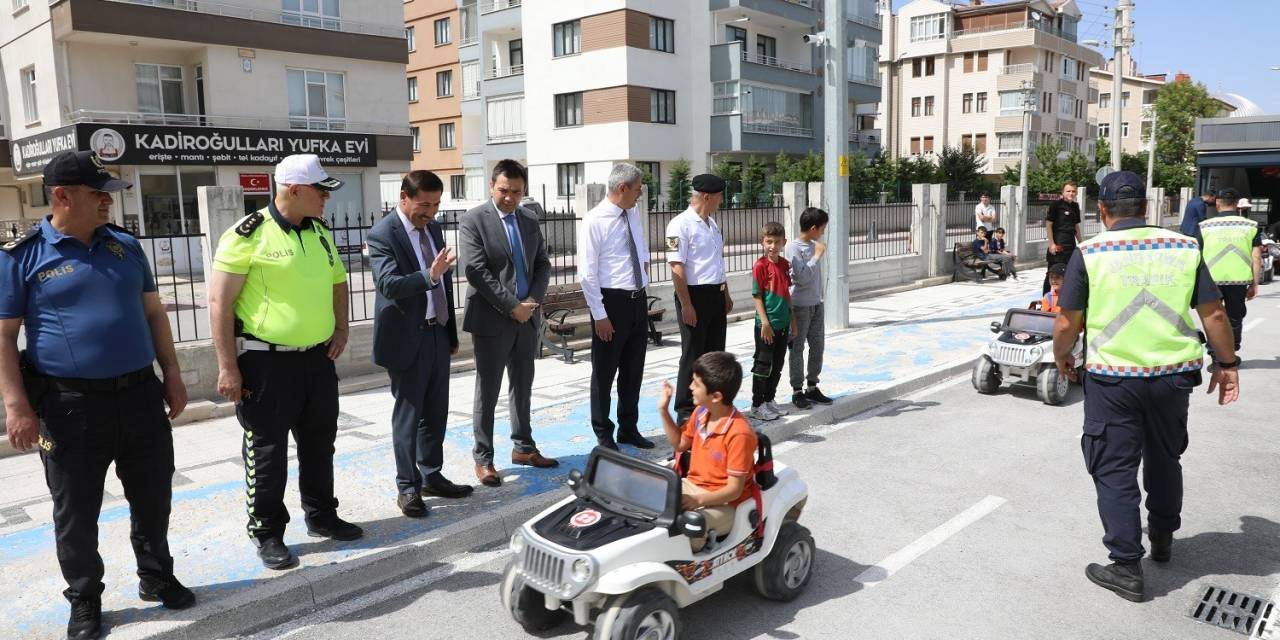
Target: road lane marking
[
  {"x": 1252, "y": 323},
  {"x": 885, "y": 569}
]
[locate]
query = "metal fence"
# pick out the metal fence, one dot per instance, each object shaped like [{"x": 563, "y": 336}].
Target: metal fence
[
  {"x": 177, "y": 262},
  {"x": 962, "y": 219},
  {"x": 880, "y": 230},
  {"x": 1037, "y": 211},
  {"x": 740, "y": 228}
]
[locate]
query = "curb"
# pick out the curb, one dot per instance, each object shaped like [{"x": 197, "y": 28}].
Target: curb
[{"x": 300, "y": 592}]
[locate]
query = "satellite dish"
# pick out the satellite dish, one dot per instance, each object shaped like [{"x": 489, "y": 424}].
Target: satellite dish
[
  {"x": 1035, "y": 16},
  {"x": 1102, "y": 173}
]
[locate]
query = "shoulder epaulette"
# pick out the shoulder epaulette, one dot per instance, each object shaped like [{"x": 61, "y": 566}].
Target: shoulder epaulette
[
  {"x": 118, "y": 228},
  {"x": 250, "y": 224},
  {"x": 18, "y": 242}
]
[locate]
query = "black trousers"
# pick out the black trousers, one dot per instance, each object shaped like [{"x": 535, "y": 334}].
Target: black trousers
[
  {"x": 1128, "y": 421},
  {"x": 421, "y": 411},
  {"x": 709, "y": 335},
  {"x": 81, "y": 435},
  {"x": 1233, "y": 298},
  {"x": 288, "y": 392},
  {"x": 623, "y": 357},
  {"x": 1062, "y": 257},
  {"x": 766, "y": 371}
]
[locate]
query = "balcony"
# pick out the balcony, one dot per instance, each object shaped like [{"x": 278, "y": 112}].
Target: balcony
[
  {"x": 235, "y": 122},
  {"x": 230, "y": 25},
  {"x": 872, "y": 21},
  {"x": 1012, "y": 76},
  {"x": 800, "y": 12},
  {"x": 730, "y": 61},
  {"x": 494, "y": 6},
  {"x": 499, "y": 16},
  {"x": 504, "y": 80},
  {"x": 729, "y": 133},
  {"x": 1013, "y": 122},
  {"x": 493, "y": 73}
]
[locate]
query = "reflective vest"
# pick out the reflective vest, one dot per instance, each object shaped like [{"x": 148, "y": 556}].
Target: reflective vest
[
  {"x": 1228, "y": 248},
  {"x": 1139, "y": 319}
]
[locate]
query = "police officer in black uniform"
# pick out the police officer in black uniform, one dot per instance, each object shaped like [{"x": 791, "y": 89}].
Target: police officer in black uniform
[{"x": 84, "y": 390}]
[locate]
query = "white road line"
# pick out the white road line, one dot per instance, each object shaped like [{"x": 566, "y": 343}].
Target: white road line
[
  {"x": 873, "y": 576},
  {"x": 1252, "y": 323},
  {"x": 461, "y": 562}
]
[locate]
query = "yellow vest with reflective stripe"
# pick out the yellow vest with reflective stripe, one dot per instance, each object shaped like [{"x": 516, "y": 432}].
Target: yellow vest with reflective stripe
[
  {"x": 1228, "y": 248},
  {"x": 1139, "y": 319}
]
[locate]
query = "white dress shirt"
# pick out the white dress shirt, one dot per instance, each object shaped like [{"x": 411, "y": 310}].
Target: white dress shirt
[
  {"x": 699, "y": 246},
  {"x": 604, "y": 253},
  {"x": 422, "y": 260}
]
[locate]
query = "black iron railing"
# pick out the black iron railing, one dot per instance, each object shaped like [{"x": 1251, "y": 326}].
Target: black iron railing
[
  {"x": 177, "y": 262},
  {"x": 880, "y": 230}
]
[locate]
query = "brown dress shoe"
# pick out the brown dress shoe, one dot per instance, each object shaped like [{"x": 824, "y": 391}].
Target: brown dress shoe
[
  {"x": 533, "y": 459},
  {"x": 488, "y": 475}
]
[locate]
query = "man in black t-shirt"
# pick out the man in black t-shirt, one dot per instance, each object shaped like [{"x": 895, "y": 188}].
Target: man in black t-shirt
[{"x": 1062, "y": 229}]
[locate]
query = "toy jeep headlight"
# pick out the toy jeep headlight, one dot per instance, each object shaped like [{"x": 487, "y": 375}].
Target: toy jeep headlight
[
  {"x": 517, "y": 542},
  {"x": 1035, "y": 355},
  {"x": 582, "y": 570}
]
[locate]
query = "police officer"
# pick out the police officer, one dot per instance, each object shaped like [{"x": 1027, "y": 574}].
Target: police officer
[
  {"x": 84, "y": 389},
  {"x": 1132, "y": 288},
  {"x": 695, "y": 251},
  {"x": 1232, "y": 248},
  {"x": 278, "y": 302}
]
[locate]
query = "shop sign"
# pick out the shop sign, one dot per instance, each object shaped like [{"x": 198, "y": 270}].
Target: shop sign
[{"x": 31, "y": 154}]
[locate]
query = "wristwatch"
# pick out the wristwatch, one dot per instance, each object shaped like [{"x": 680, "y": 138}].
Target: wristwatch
[{"x": 1228, "y": 365}]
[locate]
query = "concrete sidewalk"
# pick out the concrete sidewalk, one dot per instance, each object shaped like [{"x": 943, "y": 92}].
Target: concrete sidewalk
[{"x": 898, "y": 343}]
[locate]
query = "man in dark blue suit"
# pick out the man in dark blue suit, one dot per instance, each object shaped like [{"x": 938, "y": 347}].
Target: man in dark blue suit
[{"x": 414, "y": 334}]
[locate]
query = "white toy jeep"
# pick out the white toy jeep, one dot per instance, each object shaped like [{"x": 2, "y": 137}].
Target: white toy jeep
[
  {"x": 617, "y": 552},
  {"x": 1022, "y": 351}
]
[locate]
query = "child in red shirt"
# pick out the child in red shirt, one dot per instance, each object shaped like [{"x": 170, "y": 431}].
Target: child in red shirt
[{"x": 775, "y": 324}]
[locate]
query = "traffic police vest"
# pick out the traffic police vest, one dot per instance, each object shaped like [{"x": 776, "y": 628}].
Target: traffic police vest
[
  {"x": 1228, "y": 248},
  {"x": 1141, "y": 281}
]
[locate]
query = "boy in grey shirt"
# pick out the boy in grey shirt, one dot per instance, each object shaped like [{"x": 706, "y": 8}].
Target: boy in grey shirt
[{"x": 805, "y": 255}]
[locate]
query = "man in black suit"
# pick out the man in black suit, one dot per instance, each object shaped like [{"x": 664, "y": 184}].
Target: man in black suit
[
  {"x": 504, "y": 257},
  {"x": 414, "y": 334}
]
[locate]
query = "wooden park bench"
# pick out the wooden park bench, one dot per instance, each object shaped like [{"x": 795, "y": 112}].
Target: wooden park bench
[
  {"x": 969, "y": 266},
  {"x": 564, "y": 312}
]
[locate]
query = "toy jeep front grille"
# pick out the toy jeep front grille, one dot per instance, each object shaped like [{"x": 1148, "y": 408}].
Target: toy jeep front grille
[
  {"x": 1013, "y": 355},
  {"x": 545, "y": 570}
]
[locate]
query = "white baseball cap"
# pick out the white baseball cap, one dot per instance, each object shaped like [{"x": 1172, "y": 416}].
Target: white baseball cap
[
  {"x": 304, "y": 168},
  {"x": 1243, "y": 203}
]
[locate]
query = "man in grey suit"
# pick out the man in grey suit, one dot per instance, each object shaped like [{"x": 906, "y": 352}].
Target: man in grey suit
[
  {"x": 414, "y": 334},
  {"x": 504, "y": 258}
]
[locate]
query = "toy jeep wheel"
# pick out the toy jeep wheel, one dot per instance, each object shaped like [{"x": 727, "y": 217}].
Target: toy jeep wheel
[
  {"x": 986, "y": 375},
  {"x": 645, "y": 614},
  {"x": 1051, "y": 385},
  {"x": 787, "y": 569},
  {"x": 527, "y": 605}
]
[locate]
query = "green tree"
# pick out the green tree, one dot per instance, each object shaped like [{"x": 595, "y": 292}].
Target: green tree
[
  {"x": 961, "y": 169},
  {"x": 861, "y": 183},
  {"x": 1178, "y": 104},
  {"x": 651, "y": 184},
  {"x": 885, "y": 174},
  {"x": 753, "y": 182},
  {"x": 917, "y": 170},
  {"x": 731, "y": 172},
  {"x": 678, "y": 191}
]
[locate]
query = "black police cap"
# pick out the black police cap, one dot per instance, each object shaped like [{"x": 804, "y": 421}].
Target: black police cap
[
  {"x": 1122, "y": 185},
  {"x": 708, "y": 183},
  {"x": 71, "y": 168},
  {"x": 1228, "y": 193}
]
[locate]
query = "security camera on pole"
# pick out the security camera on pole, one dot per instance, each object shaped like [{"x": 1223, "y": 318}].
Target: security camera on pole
[{"x": 835, "y": 192}]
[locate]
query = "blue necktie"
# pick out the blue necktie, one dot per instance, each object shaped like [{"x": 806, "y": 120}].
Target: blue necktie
[{"x": 517, "y": 256}]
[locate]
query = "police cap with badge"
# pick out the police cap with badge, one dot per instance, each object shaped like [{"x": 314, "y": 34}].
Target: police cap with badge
[{"x": 71, "y": 169}]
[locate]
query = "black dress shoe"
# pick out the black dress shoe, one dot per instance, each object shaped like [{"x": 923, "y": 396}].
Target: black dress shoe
[
  {"x": 636, "y": 440},
  {"x": 411, "y": 505},
  {"x": 167, "y": 591},
  {"x": 608, "y": 444},
  {"x": 800, "y": 401},
  {"x": 1123, "y": 578},
  {"x": 336, "y": 529},
  {"x": 1161, "y": 545},
  {"x": 86, "y": 620},
  {"x": 817, "y": 396},
  {"x": 439, "y": 486},
  {"x": 275, "y": 555}
]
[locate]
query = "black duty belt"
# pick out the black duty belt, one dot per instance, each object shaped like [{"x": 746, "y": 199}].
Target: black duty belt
[
  {"x": 100, "y": 385},
  {"x": 708, "y": 287},
  {"x": 623, "y": 293}
]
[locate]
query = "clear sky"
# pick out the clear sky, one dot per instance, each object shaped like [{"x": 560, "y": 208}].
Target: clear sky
[{"x": 1228, "y": 45}]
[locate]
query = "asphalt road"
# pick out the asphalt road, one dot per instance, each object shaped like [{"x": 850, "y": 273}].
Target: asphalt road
[{"x": 947, "y": 515}]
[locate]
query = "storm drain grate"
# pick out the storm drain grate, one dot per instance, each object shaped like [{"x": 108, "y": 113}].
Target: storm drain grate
[{"x": 1239, "y": 612}]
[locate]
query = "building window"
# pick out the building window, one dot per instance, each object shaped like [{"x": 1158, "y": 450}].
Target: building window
[
  {"x": 416, "y": 134},
  {"x": 317, "y": 100},
  {"x": 1149, "y": 96},
  {"x": 470, "y": 80},
  {"x": 1008, "y": 144},
  {"x": 654, "y": 171},
  {"x": 159, "y": 88},
  {"x": 1104, "y": 101},
  {"x": 569, "y": 109},
  {"x": 19, "y": 5},
  {"x": 928, "y": 66},
  {"x": 319, "y": 14},
  {"x": 411, "y": 38},
  {"x": 515, "y": 52},
  {"x": 968, "y": 62},
  {"x": 735, "y": 34},
  {"x": 1066, "y": 105},
  {"x": 982, "y": 102},
  {"x": 928, "y": 105},
  {"x": 458, "y": 187},
  {"x": 776, "y": 111},
  {"x": 724, "y": 98},
  {"x": 505, "y": 119},
  {"x": 1124, "y": 99},
  {"x": 1010, "y": 103},
  {"x": 413, "y": 89},
  {"x": 567, "y": 178},
  {"x": 983, "y": 60},
  {"x": 444, "y": 83},
  {"x": 446, "y": 136},
  {"x": 966, "y": 103},
  {"x": 1104, "y": 129},
  {"x": 566, "y": 38},
  {"x": 1068, "y": 68},
  {"x": 916, "y": 64},
  {"x": 966, "y": 141},
  {"x": 662, "y": 106},
  {"x": 980, "y": 143},
  {"x": 915, "y": 107},
  {"x": 442, "y": 32},
  {"x": 928, "y": 144},
  {"x": 915, "y": 146},
  {"x": 930, "y": 27},
  {"x": 766, "y": 48},
  {"x": 662, "y": 35},
  {"x": 1124, "y": 129}
]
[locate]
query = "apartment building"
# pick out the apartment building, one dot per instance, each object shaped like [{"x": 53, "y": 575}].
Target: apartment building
[
  {"x": 177, "y": 94},
  {"x": 434, "y": 31},
  {"x": 954, "y": 77},
  {"x": 1137, "y": 102},
  {"x": 577, "y": 86}
]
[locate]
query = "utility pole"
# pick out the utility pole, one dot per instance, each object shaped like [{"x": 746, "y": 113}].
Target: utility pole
[
  {"x": 1121, "y": 41},
  {"x": 835, "y": 190},
  {"x": 1151, "y": 150},
  {"x": 1028, "y": 106}
]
